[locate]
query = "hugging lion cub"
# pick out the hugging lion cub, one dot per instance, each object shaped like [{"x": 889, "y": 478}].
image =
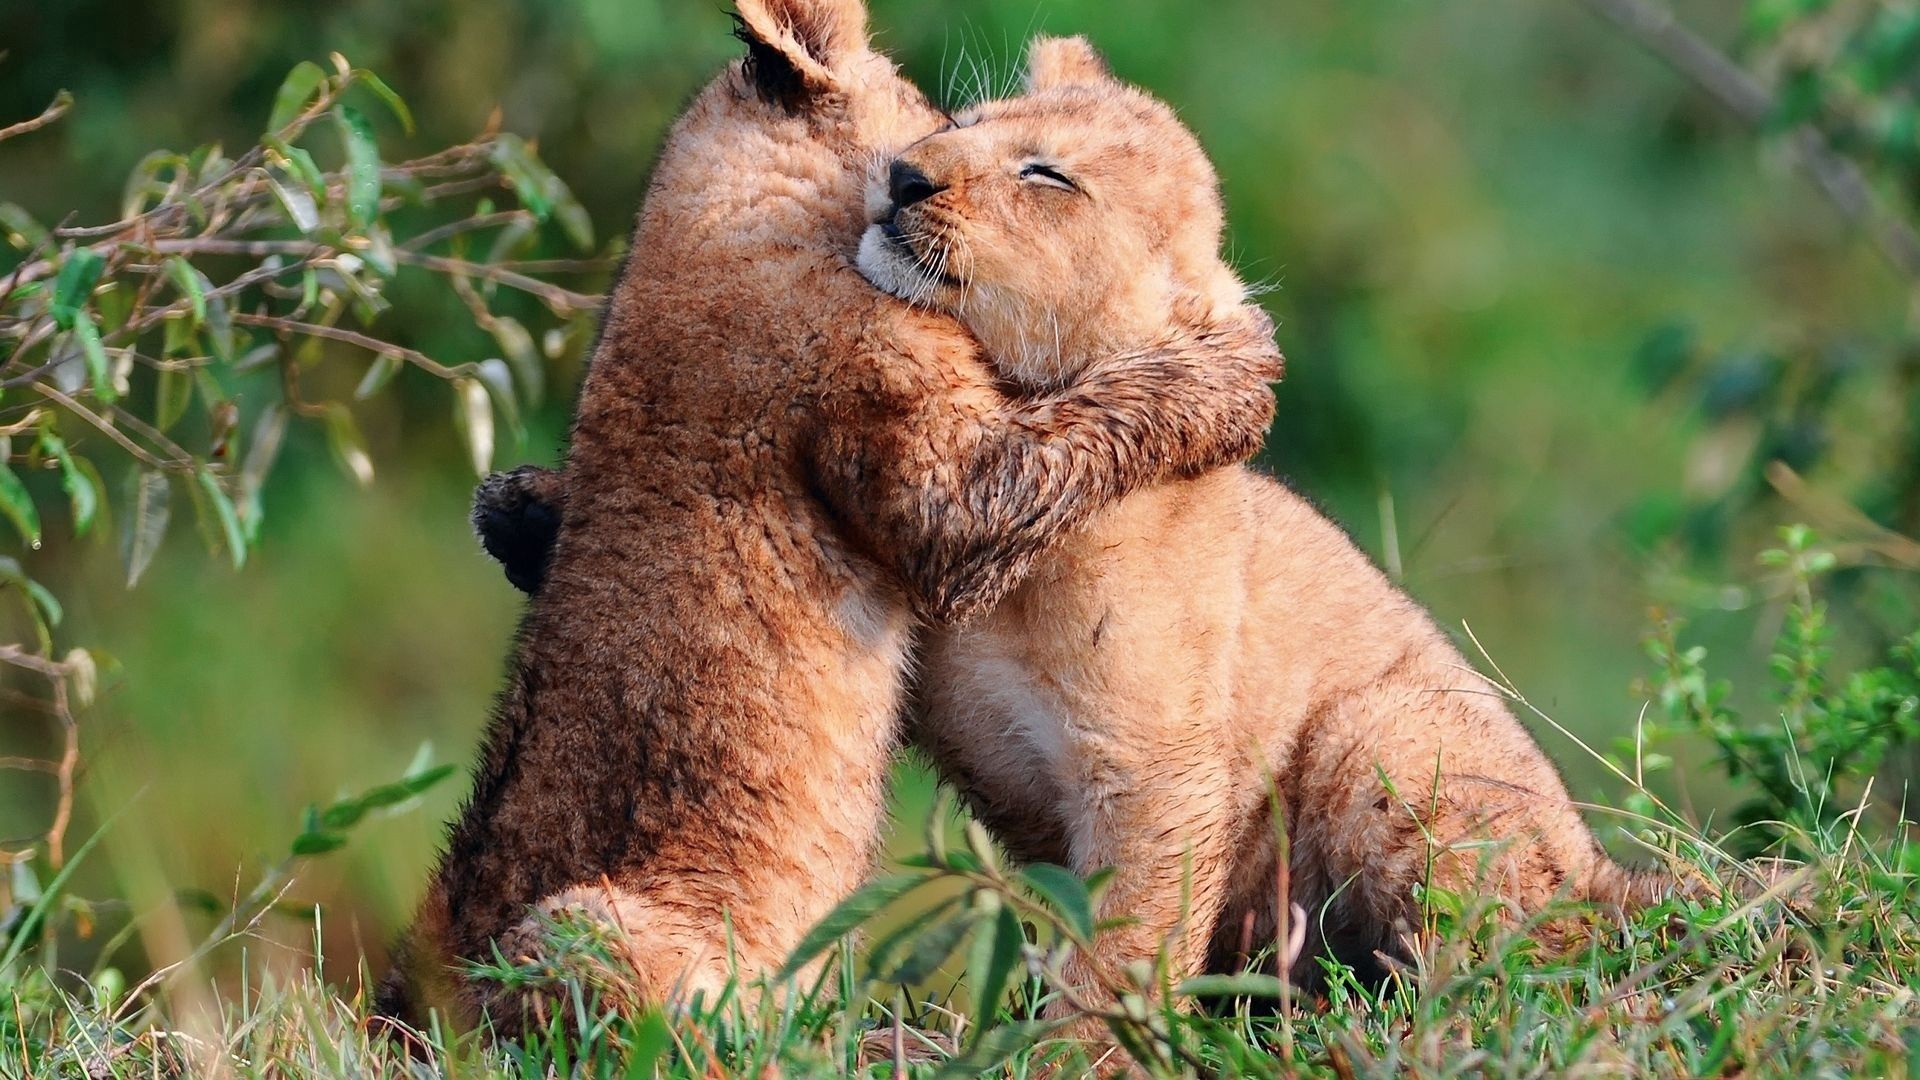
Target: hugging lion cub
[
  {"x": 775, "y": 469},
  {"x": 1209, "y": 663}
]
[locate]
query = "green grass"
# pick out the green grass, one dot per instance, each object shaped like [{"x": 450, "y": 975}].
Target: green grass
[
  {"x": 950, "y": 963},
  {"x": 1825, "y": 985}
]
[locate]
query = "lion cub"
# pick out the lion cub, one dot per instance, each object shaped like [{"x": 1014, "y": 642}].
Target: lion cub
[
  {"x": 1128, "y": 705},
  {"x": 1205, "y": 649}
]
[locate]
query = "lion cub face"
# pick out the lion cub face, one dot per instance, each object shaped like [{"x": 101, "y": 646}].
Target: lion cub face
[{"x": 1060, "y": 226}]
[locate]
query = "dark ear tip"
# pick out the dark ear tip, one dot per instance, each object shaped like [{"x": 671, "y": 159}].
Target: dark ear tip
[{"x": 517, "y": 525}]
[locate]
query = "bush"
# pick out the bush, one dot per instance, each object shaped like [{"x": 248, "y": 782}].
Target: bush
[
  {"x": 162, "y": 357},
  {"x": 1811, "y": 767}
]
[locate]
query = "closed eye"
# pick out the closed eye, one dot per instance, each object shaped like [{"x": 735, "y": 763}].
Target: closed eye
[{"x": 1048, "y": 175}]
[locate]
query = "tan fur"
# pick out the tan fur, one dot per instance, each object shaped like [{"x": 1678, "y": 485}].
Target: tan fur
[
  {"x": 1210, "y": 641},
  {"x": 773, "y": 467}
]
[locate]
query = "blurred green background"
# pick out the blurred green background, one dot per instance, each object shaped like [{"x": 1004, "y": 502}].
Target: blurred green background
[{"x": 1472, "y": 217}]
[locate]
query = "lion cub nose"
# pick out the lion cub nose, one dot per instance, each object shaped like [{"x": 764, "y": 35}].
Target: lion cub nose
[{"x": 907, "y": 185}]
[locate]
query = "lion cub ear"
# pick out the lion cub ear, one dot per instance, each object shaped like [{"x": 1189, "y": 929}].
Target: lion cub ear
[
  {"x": 1064, "y": 61},
  {"x": 795, "y": 48}
]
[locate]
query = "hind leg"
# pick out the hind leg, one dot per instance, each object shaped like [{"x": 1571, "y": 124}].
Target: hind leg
[{"x": 1427, "y": 783}]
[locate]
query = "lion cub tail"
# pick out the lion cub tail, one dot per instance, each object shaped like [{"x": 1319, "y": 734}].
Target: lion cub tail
[{"x": 1632, "y": 889}]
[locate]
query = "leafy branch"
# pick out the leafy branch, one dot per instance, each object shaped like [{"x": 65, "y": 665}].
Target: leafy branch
[{"x": 170, "y": 349}]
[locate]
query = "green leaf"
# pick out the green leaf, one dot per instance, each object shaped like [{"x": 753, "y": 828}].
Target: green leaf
[
  {"x": 424, "y": 779},
  {"x": 379, "y": 374},
  {"x": 473, "y": 416},
  {"x": 99, "y": 370},
  {"x": 145, "y": 522},
  {"x": 528, "y": 368},
  {"x": 179, "y": 337},
  {"x": 1768, "y": 18},
  {"x": 143, "y": 184},
  {"x": 498, "y": 379},
  {"x": 363, "y": 165},
  {"x": 993, "y": 1047},
  {"x": 263, "y": 449},
  {"x": 574, "y": 220},
  {"x": 379, "y": 252},
  {"x": 48, "y": 604},
  {"x": 524, "y": 173},
  {"x": 648, "y": 1039},
  {"x": 294, "y": 93},
  {"x": 395, "y": 103},
  {"x": 172, "y": 393},
  {"x": 347, "y": 812},
  {"x": 192, "y": 284},
  {"x": 317, "y": 843},
  {"x": 848, "y": 916},
  {"x": 1895, "y": 127},
  {"x": 27, "y": 232},
  {"x": 17, "y": 505},
  {"x": 981, "y": 845},
  {"x": 343, "y": 815},
  {"x": 79, "y": 273},
  {"x": 300, "y": 206},
  {"x": 44, "y": 607},
  {"x": 541, "y": 190},
  {"x": 1065, "y": 893},
  {"x": 79, "y": 485},
  {"x": 883, "y": 955},
  {"x": 1798, "y": 100},
  {"x": 932, "y": 949},
  {"x": 990, "y": 963},
  {"x": 26, "y": 884},
  {"x": 1244, "y": 985},
  {"x": 1888, "y": 46},
  {"x": 386, "y": 795},
  {"x": 236, "y": 541},
  {"x": 348, "y": 446},
  {"x": 267, "y": 352},
  {"x": 300, "y": 166}
]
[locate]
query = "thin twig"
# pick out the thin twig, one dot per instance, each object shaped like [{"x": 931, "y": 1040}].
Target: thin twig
[
  {"x": 562, "y": 301},
  {"x": 14, "y": 279},
  {"x": 1892, "y": 546},
  {"x": 63, "y": 769},
  {"x": 180, "y": 465},
  {"x": 240, "y": 167},
  {"x": 560, "y": 266},
  {"x": 464, "y": 225},
  {"x": 334, "y": 333},
  {"x": 151, "y": 433},
  {"x": 153, "y": 316},
  {"x": 63, "y": 775},
  {"x": 15, "y": 656},
  {"x": 62, "y": 101}
]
